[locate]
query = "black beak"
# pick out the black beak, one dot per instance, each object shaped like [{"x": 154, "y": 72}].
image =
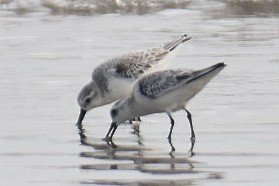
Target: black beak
[{"x": 81, "y": 116}]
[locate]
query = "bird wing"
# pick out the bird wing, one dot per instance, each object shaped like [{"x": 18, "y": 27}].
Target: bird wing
[
  {"x": 161, "y": 82},
  {"x": 133, "y": 64},
  {"x": 127, "y": 67},
  {"x": 156, "y": 84},
  {"x": 154, "y": 55}
]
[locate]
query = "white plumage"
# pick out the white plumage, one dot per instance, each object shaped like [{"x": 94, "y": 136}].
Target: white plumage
[
  {"x": 114, "y": 79},
  {"x": 163, "y": 91}
]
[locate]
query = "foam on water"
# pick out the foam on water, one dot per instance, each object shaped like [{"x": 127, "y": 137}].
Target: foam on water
[{"x": 93, "y": 7}]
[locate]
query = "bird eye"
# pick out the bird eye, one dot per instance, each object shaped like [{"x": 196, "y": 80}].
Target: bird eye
[
  {"x": 88, "y": 100},
  {"x": 113, "y": 112}
]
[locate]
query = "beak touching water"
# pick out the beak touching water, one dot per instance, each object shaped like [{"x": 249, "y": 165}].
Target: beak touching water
[{"x": 81, "y": 116}]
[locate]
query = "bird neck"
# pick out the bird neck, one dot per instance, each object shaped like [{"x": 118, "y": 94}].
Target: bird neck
[{"x": 138, "y": 109}]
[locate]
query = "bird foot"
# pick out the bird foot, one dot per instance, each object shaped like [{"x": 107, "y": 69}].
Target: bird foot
[
  {"x": 107, "y": 139},
  {"x": 170, "y": 142},
  {"x": 192, "y": 153},
  {"x": 112, "y": 144}
]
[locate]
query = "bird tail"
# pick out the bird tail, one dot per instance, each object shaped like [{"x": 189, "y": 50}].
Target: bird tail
[
  {"x": 195, "y": 81},
  {"x": 208, "y": 73},
  {"x": 173, "y": 44}
]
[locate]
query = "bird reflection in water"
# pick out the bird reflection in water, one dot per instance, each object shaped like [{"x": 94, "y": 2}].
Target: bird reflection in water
[
  {"x": 138, "y": 158},
  {"x": 134, "y": 153}
]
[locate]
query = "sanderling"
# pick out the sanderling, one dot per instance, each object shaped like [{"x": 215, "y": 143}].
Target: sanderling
[
  {"x": 114, "y": 79},
  {"x": 162, "y": 91}
]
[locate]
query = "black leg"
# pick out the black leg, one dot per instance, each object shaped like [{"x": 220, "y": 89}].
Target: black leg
[
  {"x": 134, "y": 119},
  {"x": 169, "y": 136},
  {"x": 191, "y": 149},
  {"x": 110, "y": 129},
  {"x": 193, "y": 138},
  {"x": 113, "y": 131},
  {"x": 172, "y": 124}
]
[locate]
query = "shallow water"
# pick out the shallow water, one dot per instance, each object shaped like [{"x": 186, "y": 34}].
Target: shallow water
[{"x": 46, "y": 59}]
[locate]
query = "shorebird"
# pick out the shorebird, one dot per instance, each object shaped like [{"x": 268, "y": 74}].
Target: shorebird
[
  {"x": 162, "y": 91},
  {"x": 114, "y": 79}
]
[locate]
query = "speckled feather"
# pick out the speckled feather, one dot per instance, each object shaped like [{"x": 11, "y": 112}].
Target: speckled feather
[
  {"x": 114, "y": 79},
  {"x": 158, "y": 83},
  {"x": 132, "y": 65}
]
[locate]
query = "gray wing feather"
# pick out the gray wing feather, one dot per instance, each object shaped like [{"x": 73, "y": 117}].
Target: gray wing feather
[
  {"x": 129, "y": 67},
  {"x": 173, "y": 44},
  {"x": 135, "y": 64},
  {"x": 157, "y": 84},
  {"x": 132, "y": 65},
  {"x": 152, "y": 55}
]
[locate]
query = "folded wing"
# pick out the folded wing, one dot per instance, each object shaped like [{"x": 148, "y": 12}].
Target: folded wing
[{"x": 157, "y": 84}]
